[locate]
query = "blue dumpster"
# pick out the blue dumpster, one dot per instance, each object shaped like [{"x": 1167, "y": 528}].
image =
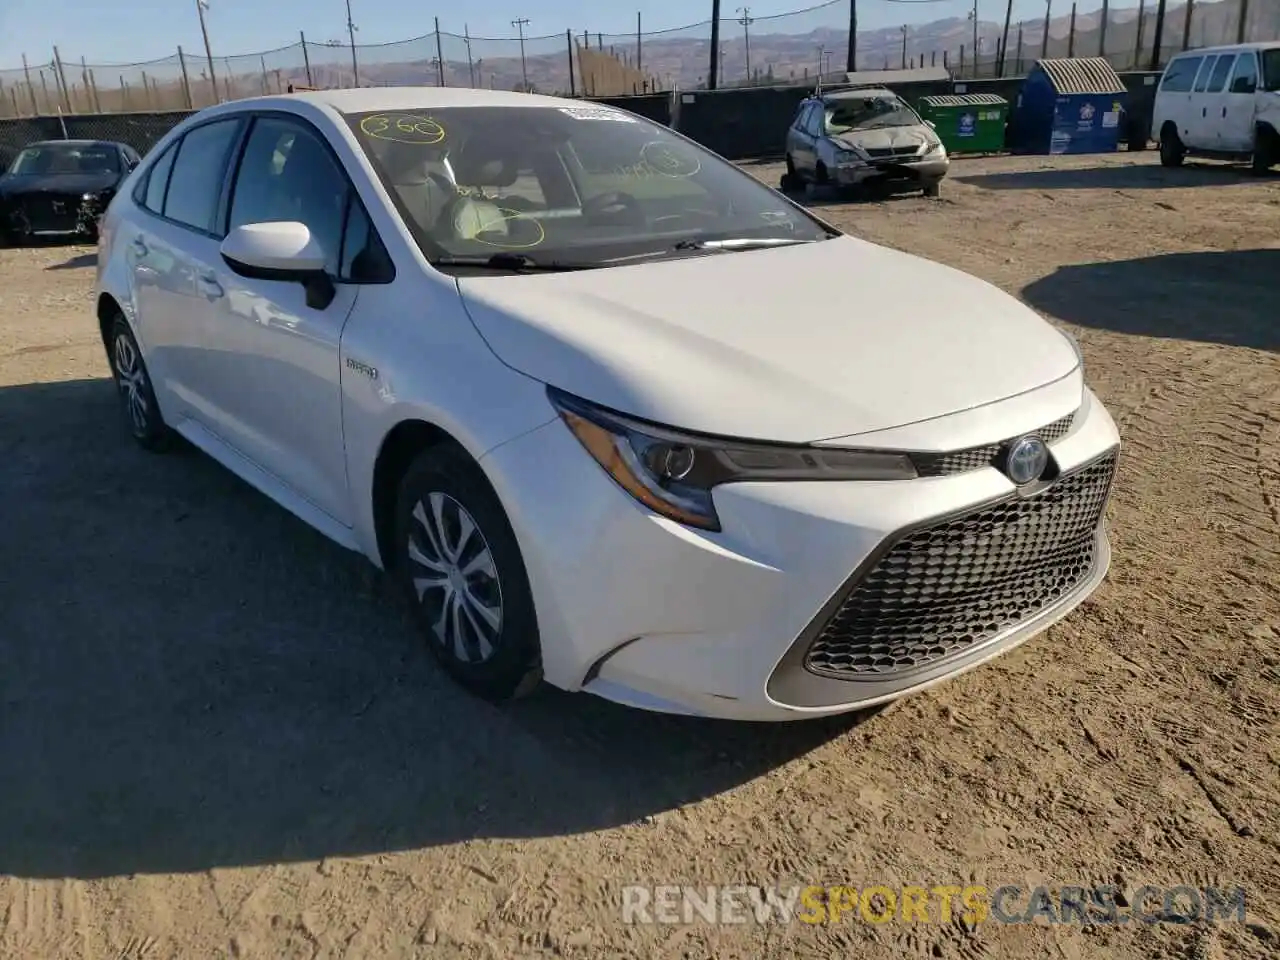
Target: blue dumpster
[{"x": 1070, "y": 105}]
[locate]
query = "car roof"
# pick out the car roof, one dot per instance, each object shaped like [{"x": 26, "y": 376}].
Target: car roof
[
  {"x": 365, "y": 99},
  {"x": 852, "y": 93},
  {"x": 74, "y": 143},
  {"x": 1230, "y": 48}
]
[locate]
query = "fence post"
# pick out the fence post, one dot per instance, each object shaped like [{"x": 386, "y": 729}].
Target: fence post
[
  {"x": 26, "y": 70},
  {"x": 266, "y": 84},
  {"x": 1243, "y": 26},
  {"x": 1158, "y": 40},
  {"x": 471, "y": 68},
  {"x": 960, "y": 73},
  {"x": 306, "y": 59},
  {"x": 1071, "y": 37},
  {"x": 88, "y": 91},
  {"x": 44, "y": 86},
  {"x": 573, "y": 87},
  {"x": 639, "y": 43},
  {"x": 1137, "y": 43},
  {"x": 1186, "y": 24},
  {"x": 124, "y": 95},
  {"x": 1102, "y": 37},
  {"x": 146, "y": 90},
  {"x": 1018, "y": 65},
  {"x": 186, "y": 80},
  {"x": 13, "y": 95},
  {"x": 61, "y": 76},
  {"x": 439, "y": 54}
]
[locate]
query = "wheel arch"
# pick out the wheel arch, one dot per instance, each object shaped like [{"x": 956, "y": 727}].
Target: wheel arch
[{"x": 108, "y": 308}]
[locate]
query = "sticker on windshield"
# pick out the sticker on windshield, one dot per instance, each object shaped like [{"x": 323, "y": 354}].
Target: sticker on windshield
[
  {"x": 779, "y": 218},
  {"x": 403, "y": 128},
  {"x": 597, "y": 113},
  {"x": 670, "y": 159}
]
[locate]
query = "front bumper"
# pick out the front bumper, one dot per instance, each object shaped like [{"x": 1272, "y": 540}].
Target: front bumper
[
  {"x": 910, "y": 171},
  {"x": 649, "y": 613},
  {"x": 49, "y": 215}
]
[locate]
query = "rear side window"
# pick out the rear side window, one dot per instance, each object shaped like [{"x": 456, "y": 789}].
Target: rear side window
[
  {"x": 1220, "y": 73},
  {"x": 1245, "y": 77},
  {"x": 1181, "y": 74},
  {"x": 158, "y": 181},
  {"x": 1206, "y": 71},
  {"x": 195, "y": 186}
]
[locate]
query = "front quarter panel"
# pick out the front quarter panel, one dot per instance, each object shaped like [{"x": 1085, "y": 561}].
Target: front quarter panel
[{"x": 410, "y": 352}]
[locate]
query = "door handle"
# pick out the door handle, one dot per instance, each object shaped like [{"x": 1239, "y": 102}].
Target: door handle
[
  {"x": 1204, "y": 111},
  {"x": 1224, "y": 111},
  {"x": 139, "y": 247},
  {"x": 209, "y": 286}
]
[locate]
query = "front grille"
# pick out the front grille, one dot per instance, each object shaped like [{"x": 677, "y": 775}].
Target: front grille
[
  {"x": 940, "y": 591},
  {"x": 974, "y": 458},
  {"x": 49, "y": 213},
  {"x": 880, "y": 153}
]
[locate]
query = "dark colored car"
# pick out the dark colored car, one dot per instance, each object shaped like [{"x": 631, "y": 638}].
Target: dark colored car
[{"x": 59, "y": 188}]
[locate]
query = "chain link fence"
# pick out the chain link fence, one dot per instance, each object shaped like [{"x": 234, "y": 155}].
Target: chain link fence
[{"x": 774, "y": 50}]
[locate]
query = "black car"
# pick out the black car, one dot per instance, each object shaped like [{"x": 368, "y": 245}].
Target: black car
[{"x": 59, "y": 188}]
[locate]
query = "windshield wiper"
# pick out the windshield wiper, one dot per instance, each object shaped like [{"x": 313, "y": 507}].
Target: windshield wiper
[
  {"x": 510, "y": 261},
  {"x": 739, "y": 243}
]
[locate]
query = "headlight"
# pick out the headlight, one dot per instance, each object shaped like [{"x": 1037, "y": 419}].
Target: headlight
[
  {"x": 932, "y": 148},
  {"x": 847, "y": 157},
  {"x": 673, "y": 473}
]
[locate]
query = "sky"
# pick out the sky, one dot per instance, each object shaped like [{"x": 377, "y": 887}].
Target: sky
[{"x": 129, "y": 31}]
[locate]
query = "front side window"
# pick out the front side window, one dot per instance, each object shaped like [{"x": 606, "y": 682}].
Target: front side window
[
  {"x": 195, "y": 184},
  {"x": 846, "y": 115},
  {"x": 56, "y": 159},
  {"x": 1181, "y": 74},
  {"x": 286, "y": 174},
  {"x": 577, "y": 184},
  {"x": 1221, "y": 71},
  {"x": 1244, "y": 79}
]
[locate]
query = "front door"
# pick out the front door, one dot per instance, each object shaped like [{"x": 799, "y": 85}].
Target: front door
[
  {"x": 281, "y": 385},
  {"x": 1239, "y": 105}
]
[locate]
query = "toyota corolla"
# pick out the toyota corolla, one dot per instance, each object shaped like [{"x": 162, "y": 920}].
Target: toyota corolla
[{"x": 612, "y": 413}]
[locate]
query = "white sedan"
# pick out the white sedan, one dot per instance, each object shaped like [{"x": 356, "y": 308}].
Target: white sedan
[{"x": 613, "y": 413}]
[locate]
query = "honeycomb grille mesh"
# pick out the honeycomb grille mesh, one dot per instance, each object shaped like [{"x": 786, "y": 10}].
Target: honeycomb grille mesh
[
  {"x": 962, "y": 461},
  {"x": 944, "y": 589}
]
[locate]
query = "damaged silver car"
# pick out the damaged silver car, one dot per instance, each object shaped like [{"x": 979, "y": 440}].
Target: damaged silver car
[{"x": 863, "y": 136}]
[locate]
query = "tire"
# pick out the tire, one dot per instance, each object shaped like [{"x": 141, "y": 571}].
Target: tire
[
  {"x": 790, "y": 180},
  {"x": 933, "y": 190},
  {"x": 1172, "y": 152},
  {"x": 137, "y": 397},
  {"x": 820, "y": 175},
  {"x": 1266, "y": 152},
  {"x": 492, "y": 648}
]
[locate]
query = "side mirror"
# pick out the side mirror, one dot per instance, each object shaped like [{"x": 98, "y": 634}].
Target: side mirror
[{"x": 282, "y": 251}]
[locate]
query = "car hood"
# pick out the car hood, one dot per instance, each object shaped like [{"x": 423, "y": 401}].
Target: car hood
[
  {"x": 884, "y": 138},
  {"x": 60, "y": 183},
  {"x": 791, "y": 344}
]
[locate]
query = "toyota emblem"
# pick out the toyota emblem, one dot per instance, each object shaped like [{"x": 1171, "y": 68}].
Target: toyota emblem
[{"x": 1027, "y": 459}]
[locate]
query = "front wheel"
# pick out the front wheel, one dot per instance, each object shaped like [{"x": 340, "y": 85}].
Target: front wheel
[
  {"x": 137, "y": 397},
  {"x": 1266, "y": 151},
  {"x": 460, "y": 568}
]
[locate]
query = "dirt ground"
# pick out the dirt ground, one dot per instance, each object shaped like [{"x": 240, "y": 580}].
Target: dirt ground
[{"x": 218, "y": 738}]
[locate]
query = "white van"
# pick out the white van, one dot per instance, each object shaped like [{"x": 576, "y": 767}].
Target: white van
[{"x": 1221, "y": 102}]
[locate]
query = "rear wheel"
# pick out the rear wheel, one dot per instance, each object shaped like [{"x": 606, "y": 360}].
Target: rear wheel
[
  {"x": 790, "y": 179},
  {"x": 1172, "y": 152},
  {"x": 460, "y": 567},
  {"x": 137, "y": 397}
]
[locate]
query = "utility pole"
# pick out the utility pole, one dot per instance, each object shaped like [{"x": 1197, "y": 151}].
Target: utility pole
[
  {"x": 201, "y": 7},
  {"x": 1004, "y": 42},
  {"x": 351, "y": 32},
  {"x": 713, "y": 72},
  {"x": 1159, "y": 37},
  {"x": 1186, "y": 24},
  {"x": 1044, "y": 41},
  {"x": 746, "y": 22},
  {"x": 520, "y": 24},
  {"x": 904, "y": 46},
  {"x": 471, "y": 69},
  {"x": 851, "y": 61}
]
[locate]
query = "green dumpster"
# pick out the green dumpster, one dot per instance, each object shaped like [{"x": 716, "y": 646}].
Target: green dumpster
[{"x": 972, "y": 123}]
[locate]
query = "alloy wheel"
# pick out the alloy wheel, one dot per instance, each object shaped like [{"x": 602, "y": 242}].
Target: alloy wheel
[
  {"x": 132, "y": 379},
  {"x": 455, "y": 578}
]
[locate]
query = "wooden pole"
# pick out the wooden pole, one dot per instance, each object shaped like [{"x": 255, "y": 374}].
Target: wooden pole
[{"x": 186, "y": 81}]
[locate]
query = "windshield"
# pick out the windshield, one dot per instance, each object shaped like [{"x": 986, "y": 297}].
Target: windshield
[
  {"x": 1271, "y": 70},
  {"x": 63, "y": 159},
  {"x": 580, "y": 185},
  {"x": 868, "y": 113}
]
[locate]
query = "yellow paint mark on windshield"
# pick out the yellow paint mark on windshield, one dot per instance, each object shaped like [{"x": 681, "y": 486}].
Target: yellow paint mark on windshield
[{"x": 403, "y": 128}]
